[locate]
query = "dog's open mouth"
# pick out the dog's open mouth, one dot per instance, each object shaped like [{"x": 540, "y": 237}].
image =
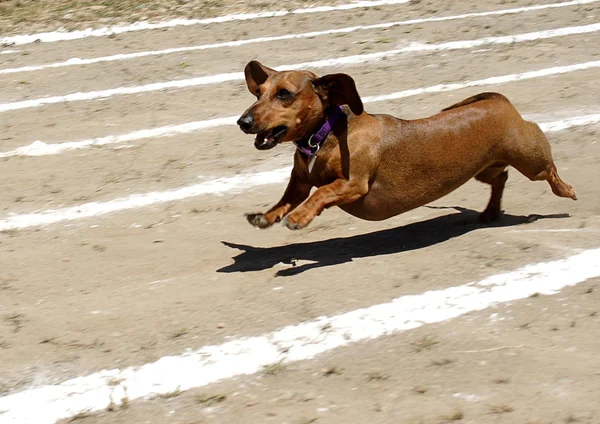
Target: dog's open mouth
[{"x": 269, "y": 139}]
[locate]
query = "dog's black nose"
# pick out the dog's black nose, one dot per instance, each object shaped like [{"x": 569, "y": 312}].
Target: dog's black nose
[{"x": 246, "y": 122}]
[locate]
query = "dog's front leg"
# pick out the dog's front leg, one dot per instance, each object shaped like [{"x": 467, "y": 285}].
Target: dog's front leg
[
  {"x": 295, "y": 193},
  {"x": 338, "y": 192}
]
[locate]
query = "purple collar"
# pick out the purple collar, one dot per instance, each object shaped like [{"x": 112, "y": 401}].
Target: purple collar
[{"x": 311, "y": 146}]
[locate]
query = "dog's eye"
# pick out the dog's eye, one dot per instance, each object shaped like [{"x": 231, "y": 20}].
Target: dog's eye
[
  {"x": 284, "y": 94},
  {"x": 258, "y": 94}
]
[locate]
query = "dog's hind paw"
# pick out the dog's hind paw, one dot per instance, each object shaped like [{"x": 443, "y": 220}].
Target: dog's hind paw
[
  {"x": 257, "y": 220},
  {"x": 489, "y": 216}
]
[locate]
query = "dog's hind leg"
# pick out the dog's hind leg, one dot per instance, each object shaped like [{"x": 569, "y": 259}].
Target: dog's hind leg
[
  {"x": 495, "y": 176},
  {"x": 534, "y": 160}
]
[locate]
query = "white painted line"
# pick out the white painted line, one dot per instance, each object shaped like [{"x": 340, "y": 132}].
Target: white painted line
[
  {"x": 128, "y": 56},
  {"x": 563, "y": 124},
  {"x": 245, "y": 356},
  {"x": 50, "y": 37},
  {"x": 557, "y": 70},
  {"x": 9, "y": 51},
  {"x": 103, "y": 94},
  {"x": 40, "y": 148},
  {"x": 217, "y": 186},
  {"x": 568, "y": 123},
  {"x": 341, "y": 61}
]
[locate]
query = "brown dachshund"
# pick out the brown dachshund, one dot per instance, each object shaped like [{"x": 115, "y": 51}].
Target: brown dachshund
[{"x": 377, "y": 166}]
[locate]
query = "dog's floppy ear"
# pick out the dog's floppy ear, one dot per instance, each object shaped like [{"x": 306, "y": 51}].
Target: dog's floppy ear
[
  {"x": 339, "y": 89},
  {"x": 256, "y": 74}
]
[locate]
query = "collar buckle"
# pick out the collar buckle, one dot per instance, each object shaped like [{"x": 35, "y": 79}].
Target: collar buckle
[{"x": 316, "y": 140}]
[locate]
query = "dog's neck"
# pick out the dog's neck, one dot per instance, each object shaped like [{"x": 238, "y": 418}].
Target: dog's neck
[{"x": 311, "y": 145}]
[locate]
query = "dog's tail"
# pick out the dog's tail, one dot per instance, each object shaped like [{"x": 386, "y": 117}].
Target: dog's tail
[{"x": 477, "y": 98}]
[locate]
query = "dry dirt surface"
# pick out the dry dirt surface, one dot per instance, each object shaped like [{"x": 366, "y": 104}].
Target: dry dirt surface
[
  {"x": 87, "y": 292},
  {"x": 18, "y": 16}
]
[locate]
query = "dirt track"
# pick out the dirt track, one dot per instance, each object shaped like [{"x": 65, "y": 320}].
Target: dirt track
[{"x": 130, "y": 287}]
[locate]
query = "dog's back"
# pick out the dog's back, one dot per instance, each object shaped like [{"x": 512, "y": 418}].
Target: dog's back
[{"x": 477, "y": 98}]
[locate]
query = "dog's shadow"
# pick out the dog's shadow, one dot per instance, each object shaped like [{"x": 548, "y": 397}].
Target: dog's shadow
[{"x": 344, "y": 249}]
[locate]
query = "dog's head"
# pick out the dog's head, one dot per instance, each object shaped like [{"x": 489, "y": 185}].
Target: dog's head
[{"x": 291, "y": 104}]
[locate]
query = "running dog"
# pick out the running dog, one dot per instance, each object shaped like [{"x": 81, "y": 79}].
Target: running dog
[{"x": 378, "y": 166}]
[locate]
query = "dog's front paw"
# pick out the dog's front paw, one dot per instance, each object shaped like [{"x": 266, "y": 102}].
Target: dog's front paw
[
  {"x": 291, "y": 224},
  {"x": 258, "y": 220}
]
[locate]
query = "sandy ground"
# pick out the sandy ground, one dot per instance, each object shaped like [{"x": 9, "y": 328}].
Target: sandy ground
[
  {"x": 518, "y": 363},
  {"x": 18, "y": 16},
  {"x": 130, "y": 287}
]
